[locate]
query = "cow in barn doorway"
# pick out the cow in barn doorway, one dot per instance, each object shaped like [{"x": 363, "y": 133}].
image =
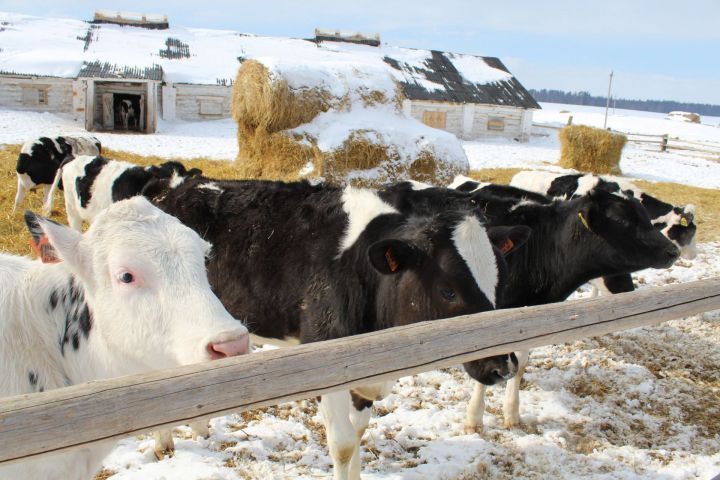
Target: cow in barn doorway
[
  {"x": 128, "y": 296},
  {"x": 127, "y": 115}
]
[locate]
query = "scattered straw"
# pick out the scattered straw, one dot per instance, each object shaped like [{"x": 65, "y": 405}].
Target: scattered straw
[{"x": 589, "y": 149}]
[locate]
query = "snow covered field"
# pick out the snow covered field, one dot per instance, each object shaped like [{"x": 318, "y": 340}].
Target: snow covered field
[{"x": 638, "y": 404}]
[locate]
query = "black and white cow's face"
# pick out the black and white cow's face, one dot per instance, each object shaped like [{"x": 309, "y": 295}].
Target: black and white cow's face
[
  {"x": 679, "y": 226},
  {"x": 492, "y": 370},
  {"x": 445, "y": 269},
  {"x": 625, "y": 225}
]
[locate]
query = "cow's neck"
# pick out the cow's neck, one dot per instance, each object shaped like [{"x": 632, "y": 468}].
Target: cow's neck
[{"x": 561, "y": 255}]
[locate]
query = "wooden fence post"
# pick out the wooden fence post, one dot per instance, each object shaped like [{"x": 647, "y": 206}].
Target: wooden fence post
[{"x": 664, "y": 143}]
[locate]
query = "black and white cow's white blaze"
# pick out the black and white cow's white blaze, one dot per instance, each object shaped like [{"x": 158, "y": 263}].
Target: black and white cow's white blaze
[
  {"x": 130, "y": 295},
  {"x": 317, "y": 262},
  {"x": 40, "y": 159},
  {"x": 94, "y": 182}
]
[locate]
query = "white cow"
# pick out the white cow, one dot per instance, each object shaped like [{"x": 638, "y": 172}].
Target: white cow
[{"x": 128, "y": 296}]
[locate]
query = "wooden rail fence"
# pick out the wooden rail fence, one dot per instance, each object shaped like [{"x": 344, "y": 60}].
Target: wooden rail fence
[{"x": 71, "y": 417}]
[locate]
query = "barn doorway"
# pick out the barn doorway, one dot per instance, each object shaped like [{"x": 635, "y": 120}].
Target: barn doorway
[
  {"x": 123, "y": 112},
  {"x": 128, "y": 111},
  {"x": 122, "y": 107}
]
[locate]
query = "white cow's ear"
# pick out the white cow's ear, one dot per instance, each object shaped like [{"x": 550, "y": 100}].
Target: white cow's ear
[{"x": 56, "y": 243}]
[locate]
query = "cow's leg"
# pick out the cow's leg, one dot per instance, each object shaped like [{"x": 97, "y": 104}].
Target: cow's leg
[
  {"x": 164, "y": 444},
  {"x": 341, "y": 436},
  {"x": 73, "y": 216},
  {"x": 475, "y": 409},
  {"x": 511, "y": 406},
  {"x": 359, "y": 417},
  {"x": 20, "y": 195},
  {"x": 200, "y": 429},
  {"x": 47, "y": 205}
]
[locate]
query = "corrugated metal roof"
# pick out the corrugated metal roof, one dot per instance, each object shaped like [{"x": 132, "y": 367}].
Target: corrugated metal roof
[
  {"x": 108, "y": 70},
  {"x": 440, "y": 69}
]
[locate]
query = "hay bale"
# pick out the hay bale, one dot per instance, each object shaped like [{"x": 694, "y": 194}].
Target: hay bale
[
  {"x": 262, "y": 103},
  {"x": 275, "y": 156},
  {"x": 593, "y": 150}
]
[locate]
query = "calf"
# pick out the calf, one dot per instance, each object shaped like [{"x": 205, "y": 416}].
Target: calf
[
  {"x": 676, "y": 223},
  {"x": 40, "y": 159},
  {"x": 128, "y": 296},
  {"x": 316, "y": 262},
  {"x": 571, "y": 242},
  {"x": 127, "y": 114},
  {"x": 93, "y": 183}
]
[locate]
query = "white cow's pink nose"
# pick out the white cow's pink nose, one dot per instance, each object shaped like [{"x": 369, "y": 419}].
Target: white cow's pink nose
[{"x": 229, "y": 348}]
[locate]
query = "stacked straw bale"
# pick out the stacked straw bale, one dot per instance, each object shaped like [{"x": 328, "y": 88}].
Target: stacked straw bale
[
  {"x": 266, "y": 108},
  {"x": 592, "y": 150}
]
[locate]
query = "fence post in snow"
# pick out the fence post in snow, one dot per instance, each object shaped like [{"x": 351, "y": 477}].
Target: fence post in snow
[
  {"x": 569, "y": 122},
  {"x": 664, "y": 143}
]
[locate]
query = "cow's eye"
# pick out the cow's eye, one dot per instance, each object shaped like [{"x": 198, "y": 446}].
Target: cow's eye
[
  {"x": 125, "y": 277},
  {"x": 448, "y": 294}
]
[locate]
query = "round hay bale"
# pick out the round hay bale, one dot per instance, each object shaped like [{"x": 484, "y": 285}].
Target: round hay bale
[
  {"x": 264, "y": 104},
  {"x": 275, "y": 156},
  {"x": 592, "y": 150}
]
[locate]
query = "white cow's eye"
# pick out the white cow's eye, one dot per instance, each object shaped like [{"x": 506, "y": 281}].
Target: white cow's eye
[{"x": 125, "y": 277}]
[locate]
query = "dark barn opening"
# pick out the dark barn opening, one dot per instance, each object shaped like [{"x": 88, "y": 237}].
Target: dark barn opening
[{"x": 127, "y": 111}]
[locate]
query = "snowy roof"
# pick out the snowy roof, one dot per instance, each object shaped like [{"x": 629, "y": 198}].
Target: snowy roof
[
  {"x": 145, "y": 20},
  {"x": 62, "y": 47},
  {"x": 107, "y": 70}
]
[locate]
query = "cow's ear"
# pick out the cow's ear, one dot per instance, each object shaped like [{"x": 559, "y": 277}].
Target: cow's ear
[
  {"x": 392, "y": 256},
  {"x": 155, "y": 189},
  {"x": 509, "y": 239},
  {"x": 54, "y": 242}
]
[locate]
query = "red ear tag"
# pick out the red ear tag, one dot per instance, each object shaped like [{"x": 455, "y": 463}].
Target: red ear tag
[
  {"x": 506, "y": 246},
  {"x": 43, "y": 250},
  {"x": 392, "y": 263}
]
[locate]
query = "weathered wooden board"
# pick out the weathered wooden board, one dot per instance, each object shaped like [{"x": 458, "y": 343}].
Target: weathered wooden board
[{"x": 71, "y": 417}]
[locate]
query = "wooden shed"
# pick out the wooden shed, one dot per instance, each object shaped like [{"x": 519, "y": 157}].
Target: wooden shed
[
  {"x": 120, "y": 98},
  {"x": 499, "y": 107}
]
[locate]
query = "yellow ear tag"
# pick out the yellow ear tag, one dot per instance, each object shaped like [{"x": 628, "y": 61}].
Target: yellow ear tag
[
  {"x": 584, "y": 222},
  {"x": 683, "y": 222}
]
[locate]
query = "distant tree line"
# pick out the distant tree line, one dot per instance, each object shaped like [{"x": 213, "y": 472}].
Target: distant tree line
[{"x": 662, "y": 106}]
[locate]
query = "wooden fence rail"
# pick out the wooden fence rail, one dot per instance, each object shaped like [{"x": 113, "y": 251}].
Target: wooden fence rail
[{"x": 75, "y": 416}]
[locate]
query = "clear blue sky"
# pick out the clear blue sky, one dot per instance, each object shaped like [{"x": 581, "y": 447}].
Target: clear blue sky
[{"x": 659, "y": 49}]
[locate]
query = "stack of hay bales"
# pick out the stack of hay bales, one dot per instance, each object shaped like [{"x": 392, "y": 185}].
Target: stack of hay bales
[
  {"x": 591, "y": 150},
  {"x": 357, "y": 137}
]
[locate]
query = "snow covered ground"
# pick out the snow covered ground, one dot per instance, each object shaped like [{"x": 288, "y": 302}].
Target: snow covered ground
[
  {"x": 642, "y": 161},
  {"x": 644, "y": 403}
]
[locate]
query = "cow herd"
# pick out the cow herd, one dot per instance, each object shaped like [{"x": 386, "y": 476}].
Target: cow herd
[{"x": 176, "y": 268}]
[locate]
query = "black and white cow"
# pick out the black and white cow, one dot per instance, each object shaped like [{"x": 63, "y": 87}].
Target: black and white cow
[
  {"x": 128, "y": 296},
  {"x": 94, "y": 182},
  {"x": 316, "y": 262},
  {"x": 40, "y": 159},
  {"x": 127, "y": 114},
  {"x": 571, "y": 242},
  {"x": 676, "y": 223}
]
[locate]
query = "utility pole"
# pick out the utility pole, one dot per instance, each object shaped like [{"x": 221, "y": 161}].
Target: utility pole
[{"x": 607, "y": 105}]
